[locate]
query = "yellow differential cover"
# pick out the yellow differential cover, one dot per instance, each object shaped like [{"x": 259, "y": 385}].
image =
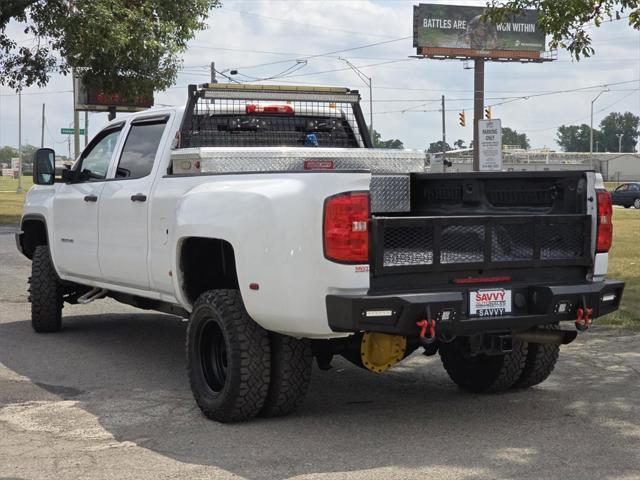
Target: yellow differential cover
[{"x": 380, "y": 351}]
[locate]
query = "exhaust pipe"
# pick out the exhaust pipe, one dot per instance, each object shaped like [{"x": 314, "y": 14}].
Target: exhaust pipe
[{"x": 538, "y": 335}]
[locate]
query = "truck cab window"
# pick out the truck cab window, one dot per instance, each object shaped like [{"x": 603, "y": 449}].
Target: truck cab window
[
  {"x": 139, "y": 151},
  {"x": 94, "y": 163}
]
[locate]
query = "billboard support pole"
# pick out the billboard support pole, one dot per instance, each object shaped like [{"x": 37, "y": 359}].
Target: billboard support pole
[
  {"x": 444, "y": 139},
  {"x": 478, "y": 108}
]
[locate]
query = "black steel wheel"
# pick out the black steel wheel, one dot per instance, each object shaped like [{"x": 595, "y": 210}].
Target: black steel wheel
[{"x": 228, "y": 358}]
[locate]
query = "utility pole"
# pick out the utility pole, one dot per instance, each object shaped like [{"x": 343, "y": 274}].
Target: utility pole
[
  {"x": 444, "y": 139},
  {"x": 86, "y": 128},
  {"x": 619, "y": 135},
  {"x": 478, "y": 108},
  {"x": 42, "y": 129},
  {"x": 19, "y": 190},
  {"x": 76, "y": 120},
  {"x": 213, "y": 72},
  {"x": 591, "y": 129}
]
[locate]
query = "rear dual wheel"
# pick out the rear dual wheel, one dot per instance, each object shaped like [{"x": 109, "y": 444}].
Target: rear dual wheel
[
  {"x": 482, "y": 373},
  {"x": 238, "y": 370},
  {"x": 528, "y": 364}
]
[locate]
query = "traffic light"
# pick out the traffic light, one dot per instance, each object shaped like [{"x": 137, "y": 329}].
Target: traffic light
[
  {"x": 487, "y": 113},
  {"x": 463, "y": 121}
]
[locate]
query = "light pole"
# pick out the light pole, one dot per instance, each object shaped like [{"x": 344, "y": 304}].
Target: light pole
[
  {"x": 19, "y": 190},
  {"x": 591, "y": 128},
  {"x": 619, "y": 135},
  {"x": 367, "y": 81}
]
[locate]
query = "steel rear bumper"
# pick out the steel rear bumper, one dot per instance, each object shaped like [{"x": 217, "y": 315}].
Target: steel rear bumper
[{"x": 536, "y": 305}]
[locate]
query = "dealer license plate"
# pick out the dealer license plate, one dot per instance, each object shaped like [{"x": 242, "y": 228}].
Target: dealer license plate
[{"x": 493, "y": 302}]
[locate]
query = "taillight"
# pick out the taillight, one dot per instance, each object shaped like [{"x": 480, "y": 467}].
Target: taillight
[
  {"x": 345, "y": 229},
  {"x": 605, "y": 226},
  {"x": 283, "y": 109}
]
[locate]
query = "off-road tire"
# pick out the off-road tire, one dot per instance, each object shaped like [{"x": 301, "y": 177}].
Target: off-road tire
[
  {"x": 291, "y": 361},
  {"x": 541, "y": 360},
  {"x": 45, "y": 293},
  {"x": 219, "y": 318},
  {"x": 482, "y": 373}
]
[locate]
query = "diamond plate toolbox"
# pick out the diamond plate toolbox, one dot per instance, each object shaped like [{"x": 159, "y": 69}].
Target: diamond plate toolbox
[
  {"x": 213, "y": 160},
  {"x": 390, "y": 193}
]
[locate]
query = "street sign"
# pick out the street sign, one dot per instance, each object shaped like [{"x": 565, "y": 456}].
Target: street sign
[
  {"x": 490, "y": 144},
  {"x": 70, "y": 131}
]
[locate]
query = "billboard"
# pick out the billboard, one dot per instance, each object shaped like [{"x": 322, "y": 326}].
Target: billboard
[
  {"x": 93, "y": 99},
  {"x": 460, "y": 31}
]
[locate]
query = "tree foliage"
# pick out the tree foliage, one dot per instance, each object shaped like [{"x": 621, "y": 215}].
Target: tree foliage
[
  {"x": 615, "y": 123},
  {"x": 436, "y": 147},
  {"x": 459, "y": 144},
  {"x": 379, "y": 143},
  {"x": 576, "y": 138},
  {"x": 566, "y": 21},
  {"x": 115, "y": 45},
  {"x": 511, "y": 137}
]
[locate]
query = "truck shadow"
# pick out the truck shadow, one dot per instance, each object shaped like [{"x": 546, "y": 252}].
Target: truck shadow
[{"x": 128, "y": 372}]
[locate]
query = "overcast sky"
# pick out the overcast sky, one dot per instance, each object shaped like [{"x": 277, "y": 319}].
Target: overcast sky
[{"x": 244, "y": 34}]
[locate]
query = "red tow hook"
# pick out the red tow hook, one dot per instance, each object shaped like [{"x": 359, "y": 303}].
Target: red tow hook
[
  {"x": 583, "y": 322},
  {"x": 427, "y": 326}
]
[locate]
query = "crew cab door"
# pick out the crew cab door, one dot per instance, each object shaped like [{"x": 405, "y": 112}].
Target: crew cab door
[
  {"x": 75, "y": 208},
  {"x": 123, "y": 222}
]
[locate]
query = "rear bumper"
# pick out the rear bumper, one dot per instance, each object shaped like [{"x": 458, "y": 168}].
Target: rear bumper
[{"x": 532, "y": 306}]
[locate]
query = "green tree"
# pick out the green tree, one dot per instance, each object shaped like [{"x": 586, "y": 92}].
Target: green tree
[
  {"x": 436, "y": 147},
  {"x": 115, "y": 45},
  {"x": 577, "y": 138},
  {"x": 619, "y": 123},
  {"x": 379, "y": 143},
  {"x": 459, "y": 144},
  {"x": 511, "y": 137},
  {"x": 566, "y": 21},
  {"x": 7, "y": 153}
]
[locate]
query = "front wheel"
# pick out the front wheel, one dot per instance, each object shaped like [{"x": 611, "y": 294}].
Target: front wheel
[
  {"x": 228, "y": 358},
  {"x": 45, "y": 293},
  {"x": 636, "y": 203},
  {"x": 482, "y": 373}
]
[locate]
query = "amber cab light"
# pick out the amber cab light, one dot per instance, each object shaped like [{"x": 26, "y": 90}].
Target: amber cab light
[
  {"x": 345, "y": 228},
  {"x": 605, "y": 225}
]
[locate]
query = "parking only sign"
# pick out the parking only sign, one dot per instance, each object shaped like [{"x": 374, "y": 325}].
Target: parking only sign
[{"x": 490, "y": 144}]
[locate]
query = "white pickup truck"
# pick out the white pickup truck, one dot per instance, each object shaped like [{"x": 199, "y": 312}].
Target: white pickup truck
[{"x": 263, "y": 215}]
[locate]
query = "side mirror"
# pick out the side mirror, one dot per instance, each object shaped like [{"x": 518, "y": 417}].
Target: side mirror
[{"x": 44, "y": 166}]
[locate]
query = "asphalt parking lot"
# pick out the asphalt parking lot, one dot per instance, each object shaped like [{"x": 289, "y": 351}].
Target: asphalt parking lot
[{"x": 108, "y": 398}]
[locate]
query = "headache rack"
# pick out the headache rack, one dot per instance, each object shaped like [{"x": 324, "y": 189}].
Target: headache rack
[{"x": 245, "y": 115}]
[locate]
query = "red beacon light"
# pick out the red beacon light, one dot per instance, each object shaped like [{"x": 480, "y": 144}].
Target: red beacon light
[{"x": 277, "y": 109}]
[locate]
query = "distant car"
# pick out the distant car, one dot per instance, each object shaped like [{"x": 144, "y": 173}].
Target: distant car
[{"x": 627, "y": 195}]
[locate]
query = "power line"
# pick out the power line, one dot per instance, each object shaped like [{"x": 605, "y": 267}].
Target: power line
[
  {"x": 513, "y": 99},
  {"x": 587, "y": 116},
  {"x": 306, "y": 24}
]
